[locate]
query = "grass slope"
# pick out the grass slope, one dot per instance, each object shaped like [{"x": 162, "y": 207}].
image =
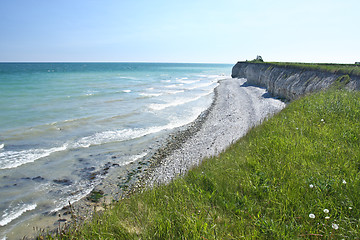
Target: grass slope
[{"x": 294, "y": 177}]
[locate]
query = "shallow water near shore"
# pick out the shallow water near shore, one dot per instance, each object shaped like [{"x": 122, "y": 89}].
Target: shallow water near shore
[{"x": 63, "y": 126}]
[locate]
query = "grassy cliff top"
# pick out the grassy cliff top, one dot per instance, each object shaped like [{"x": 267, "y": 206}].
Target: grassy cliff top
[{"x": 349, "y": 69}]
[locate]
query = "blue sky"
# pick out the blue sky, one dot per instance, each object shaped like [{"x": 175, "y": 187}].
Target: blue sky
[{"x": 179, "y": 31}]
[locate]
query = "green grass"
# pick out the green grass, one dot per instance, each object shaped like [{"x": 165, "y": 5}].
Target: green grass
[
  {"x": 302, "y": 161},
  {"x": 350, "y": 69}
]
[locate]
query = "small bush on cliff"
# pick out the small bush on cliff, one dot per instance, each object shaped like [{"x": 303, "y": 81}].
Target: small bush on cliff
[
  {"x": 258, "y": 59},
  {"x": 341, "y": 82}
]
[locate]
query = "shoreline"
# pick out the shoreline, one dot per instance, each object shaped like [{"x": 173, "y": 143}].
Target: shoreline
[
  {"x": 235, "y": 109},
  {"x": 173, "y": 142},
  {"x": 118, "y": 182}
]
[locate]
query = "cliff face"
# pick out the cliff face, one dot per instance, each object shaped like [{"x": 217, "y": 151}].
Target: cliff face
[{"x": 286, "y": 82}]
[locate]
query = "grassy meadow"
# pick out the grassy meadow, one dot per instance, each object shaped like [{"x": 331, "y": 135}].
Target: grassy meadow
[{"x": 296, "y": 176}]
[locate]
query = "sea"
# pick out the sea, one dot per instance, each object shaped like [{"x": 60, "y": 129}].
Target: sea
[{"x": 61, "y": 121}]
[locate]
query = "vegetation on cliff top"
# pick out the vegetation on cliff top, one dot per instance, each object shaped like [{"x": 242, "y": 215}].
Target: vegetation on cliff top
[
  {"x": 349, "y": 69},
  {"x": 297, "y": 176}
]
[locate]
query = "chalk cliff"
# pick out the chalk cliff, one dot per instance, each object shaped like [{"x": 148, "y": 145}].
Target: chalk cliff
[{"x": 290, "y": 82}]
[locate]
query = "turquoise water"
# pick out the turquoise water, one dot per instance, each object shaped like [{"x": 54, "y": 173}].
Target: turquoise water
[{"x": 59, "y": 122}]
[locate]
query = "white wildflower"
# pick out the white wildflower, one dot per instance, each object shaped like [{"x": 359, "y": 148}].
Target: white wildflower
[
  {"x": 350, "y": 208},
  {"x": 322, "y": 120},
  {"x": 327, "y": 217},
  {"x": 311, "y": 215},
  {"x": 326, "y": 210},
  {"x": 335, "y": 226},
  {"x": 311, "y": 186},
  {"x": 344, "y": 182}
]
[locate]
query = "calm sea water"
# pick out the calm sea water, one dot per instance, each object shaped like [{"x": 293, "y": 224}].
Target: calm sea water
[{"x": 57, "y": 119}]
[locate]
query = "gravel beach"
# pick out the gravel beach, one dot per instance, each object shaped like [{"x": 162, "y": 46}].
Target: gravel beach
[{"x": 237, "y": 107}]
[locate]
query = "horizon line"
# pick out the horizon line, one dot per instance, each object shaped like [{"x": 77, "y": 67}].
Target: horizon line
[{"x": 112, "y": 62}]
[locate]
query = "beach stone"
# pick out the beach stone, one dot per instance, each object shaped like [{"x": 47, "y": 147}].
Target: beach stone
[
  {"x": 64, "y": 182},
  {"x": 38, "y": 178},
  {"x": 92, "y": 176},
  {"x": 66, "y": 213},
  {"x": 88, "y": 169}
]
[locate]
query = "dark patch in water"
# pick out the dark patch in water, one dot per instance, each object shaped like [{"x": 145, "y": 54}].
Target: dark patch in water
[
  {"x": 88, "y": 169},
  {"x": 64, "y": 182},
  {"x": 38, "y": 179},
  {"x": 87, "y": 173}
]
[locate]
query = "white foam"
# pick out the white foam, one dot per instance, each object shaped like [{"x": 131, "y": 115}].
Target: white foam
[
  {"x": 221, "y": 76},
  {"x": 129, "y": 134},
  {"x": 176, "y": 102},
  {"x": 116, "y": 136},
  {"x": 74, "y": 121},
  {"x": 134, "y": 158},
  {"x": 2, "y": 146},
  {"x": 188, "y": 81},
  {"x": 109, "y": 136},
  {"x": 174, "y": 92},
  {"x": 130, "y": 78},
  {"x": 13, "y": 159},
  {"x": 15, "y": 212},
  {"x": 150, "y": 94},
  {"x": 126, "y": 91},
  {"x": 62, "y": 202},
  {"x": 175, "y": 122},
  {"x": 204, "y": 85},
  {"x": 175, "y": 85},
  {"x": 90, "y": 93}
]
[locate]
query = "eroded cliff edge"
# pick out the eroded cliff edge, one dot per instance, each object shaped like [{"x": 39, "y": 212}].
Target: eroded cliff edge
[{"x": 290, "y": 82}]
